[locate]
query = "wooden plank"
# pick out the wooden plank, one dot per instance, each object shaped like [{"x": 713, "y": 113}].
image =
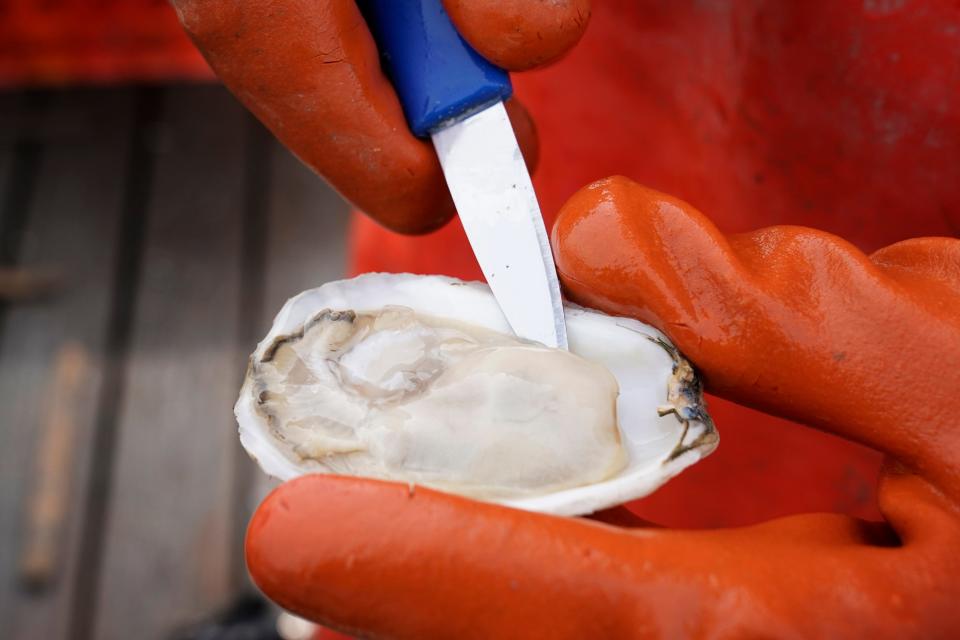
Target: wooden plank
[
  {"x": 11, "y": 108},
  {"x": 10, "y": 100},
  {"x": 166, "y": 545},
  {"x": 72, "y": 227},
  {"x": 306, "y": 239},
  {"x": 27, "y": 112},
  {"x": 9, "y": 121},
  {"x": 7, "y": 155},
  {"x": 22, "y": 112}
]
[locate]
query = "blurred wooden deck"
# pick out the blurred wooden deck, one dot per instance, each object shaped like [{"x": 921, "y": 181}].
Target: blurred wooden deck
[{"x": 174, "y": 227}]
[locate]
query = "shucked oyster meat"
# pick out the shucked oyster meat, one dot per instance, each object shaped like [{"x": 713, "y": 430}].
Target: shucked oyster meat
[
  {"x": 397, "y": 395},
  {"x": 418, "y": 379}
]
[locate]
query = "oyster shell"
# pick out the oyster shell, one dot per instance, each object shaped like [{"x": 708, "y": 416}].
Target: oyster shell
[{"x": 418, "y": 379}]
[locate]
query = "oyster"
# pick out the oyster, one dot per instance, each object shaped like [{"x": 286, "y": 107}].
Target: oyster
[{"x": 418, "y": 379}]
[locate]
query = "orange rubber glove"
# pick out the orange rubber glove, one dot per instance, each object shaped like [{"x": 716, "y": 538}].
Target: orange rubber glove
[
  {"x": 788, "y": 319},
  {"x": 309, "y": 71}
]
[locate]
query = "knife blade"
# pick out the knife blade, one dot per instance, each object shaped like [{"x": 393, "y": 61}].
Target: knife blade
[
  {"x": 449, "y": 92},
  {"x": 498, "y": 208}
]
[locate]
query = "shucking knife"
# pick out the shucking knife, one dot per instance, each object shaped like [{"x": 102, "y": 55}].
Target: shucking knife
[{"x": 452, "y": 94}]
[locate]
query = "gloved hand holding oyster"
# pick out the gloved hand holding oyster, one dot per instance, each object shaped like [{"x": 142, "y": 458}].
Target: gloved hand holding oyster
[{"x": 789, "y": 319}]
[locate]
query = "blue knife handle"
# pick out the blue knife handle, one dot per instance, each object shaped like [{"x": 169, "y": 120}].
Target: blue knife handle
[{"x": 439, "y": 78}]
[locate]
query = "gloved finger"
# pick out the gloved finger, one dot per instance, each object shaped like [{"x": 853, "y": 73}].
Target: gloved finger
[
  {"x": 790, "y": 320},
  {"x": 520, "y": 34},
  {"x": 449, "y": 567},
  {"x": 309, "y": 70}
]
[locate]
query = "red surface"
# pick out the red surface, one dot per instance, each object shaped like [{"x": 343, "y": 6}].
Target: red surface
[
  {"x": 843, "y": 116},
  {"x": 54, "y": 42}
]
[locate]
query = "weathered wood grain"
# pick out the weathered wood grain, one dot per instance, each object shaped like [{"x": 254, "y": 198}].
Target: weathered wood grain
[
  {"x": 306, "y": 238},
  {"x": 71, "y": 226},
  {"x": 166, "y": 553},
  {"x": 27, "y": 110},
  {"x": 9, "y": 121},
  {"x": 180, "y": 227},
  {"x": 6, "y": 162},
  {"x": 25, "y": 114}
]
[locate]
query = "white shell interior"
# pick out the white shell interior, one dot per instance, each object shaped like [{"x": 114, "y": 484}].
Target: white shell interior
[{"x": 625, "y": 346}]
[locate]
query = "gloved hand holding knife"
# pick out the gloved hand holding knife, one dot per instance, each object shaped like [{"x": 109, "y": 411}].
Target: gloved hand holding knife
[{"x": 309, "y": 69}]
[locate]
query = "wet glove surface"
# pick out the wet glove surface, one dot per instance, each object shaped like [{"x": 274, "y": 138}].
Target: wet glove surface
[
  {"x": 791, "y": 320},
  {"x": 309, "y": 70}
]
